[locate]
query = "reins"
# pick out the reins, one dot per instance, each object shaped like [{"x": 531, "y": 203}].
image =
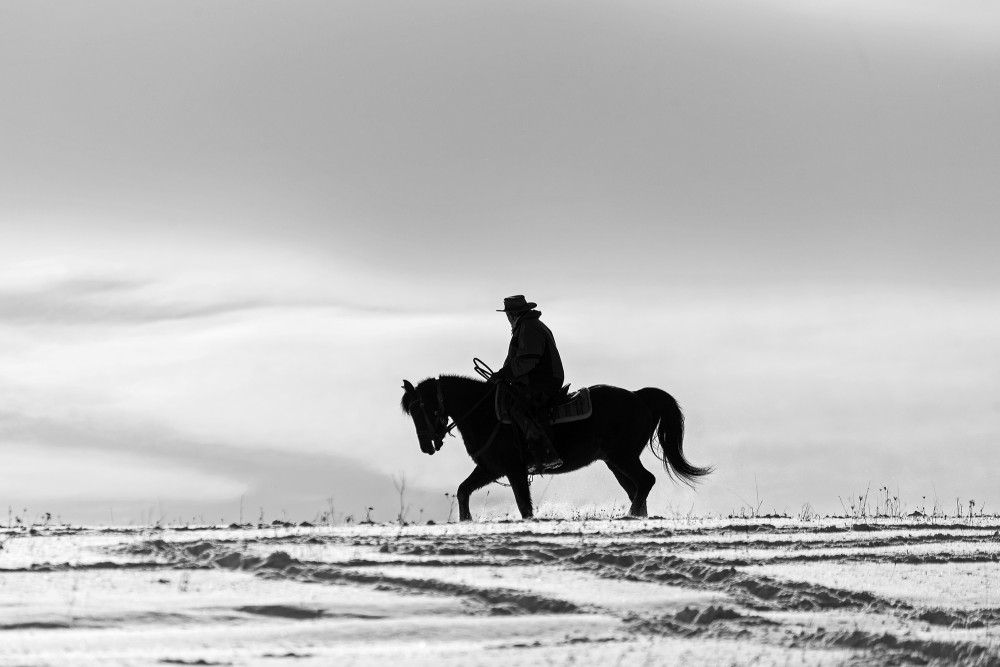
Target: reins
[
  {"x": 462, "y": 418},
  {"x": 441, "y": 417}
]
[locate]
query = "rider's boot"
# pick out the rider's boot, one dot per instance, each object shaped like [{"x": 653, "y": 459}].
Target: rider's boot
[
  {"x": 550, "y": 457},
  {"x": 532, "y": 437},
  {"x": 545, "y": 453}
]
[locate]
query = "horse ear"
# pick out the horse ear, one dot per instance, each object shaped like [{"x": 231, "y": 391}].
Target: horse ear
[{"x": 407, "y": 386}]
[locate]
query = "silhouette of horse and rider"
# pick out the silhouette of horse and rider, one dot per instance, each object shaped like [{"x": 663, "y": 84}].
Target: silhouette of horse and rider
[{"x": 512, "y": 424}]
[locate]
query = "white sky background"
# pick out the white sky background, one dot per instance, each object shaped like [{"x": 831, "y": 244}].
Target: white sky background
[{"x": 229, "y": 230}]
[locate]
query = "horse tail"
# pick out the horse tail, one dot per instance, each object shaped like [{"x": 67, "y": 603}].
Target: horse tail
[{"x": 668, "y": 433}]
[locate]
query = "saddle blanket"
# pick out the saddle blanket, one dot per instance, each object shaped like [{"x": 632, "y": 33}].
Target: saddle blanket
[{"x": 573, "y": 407}]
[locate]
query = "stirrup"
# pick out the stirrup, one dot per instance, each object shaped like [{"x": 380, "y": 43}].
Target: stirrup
[
  {"x": 552, "y": 464},
  {"x": 540, "y": 467}
]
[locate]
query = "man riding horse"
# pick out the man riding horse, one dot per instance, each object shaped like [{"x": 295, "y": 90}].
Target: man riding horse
[{"x": 533, "y": 373}]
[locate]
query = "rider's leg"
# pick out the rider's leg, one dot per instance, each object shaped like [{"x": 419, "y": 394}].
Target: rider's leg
[{"x": 529, "y": 414}]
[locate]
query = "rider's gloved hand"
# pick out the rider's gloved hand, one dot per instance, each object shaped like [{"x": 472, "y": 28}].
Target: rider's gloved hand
[{"x": 502, "y": 375}]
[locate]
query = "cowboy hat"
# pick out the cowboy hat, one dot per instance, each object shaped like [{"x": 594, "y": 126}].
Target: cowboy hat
[{"x": 515, "y": 304}]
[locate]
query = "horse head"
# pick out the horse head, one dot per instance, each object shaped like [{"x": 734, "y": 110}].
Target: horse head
[{"x": 431, "y": 426}]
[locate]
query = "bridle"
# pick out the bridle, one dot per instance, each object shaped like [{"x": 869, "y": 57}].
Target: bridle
[{"x": 440, "y": 417}]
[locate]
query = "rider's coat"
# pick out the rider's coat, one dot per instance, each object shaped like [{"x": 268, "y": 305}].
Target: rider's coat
[{"x": 532, "y": 357}]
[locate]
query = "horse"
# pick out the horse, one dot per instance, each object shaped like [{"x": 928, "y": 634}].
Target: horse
[{"x": 622, "y": 423}]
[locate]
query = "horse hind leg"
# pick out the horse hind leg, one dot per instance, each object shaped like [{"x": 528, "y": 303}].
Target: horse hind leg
[
  {"x": 479, "y": 478},
  {"x": 642, "y": 481},
  {"x": 623, "y": 481}
]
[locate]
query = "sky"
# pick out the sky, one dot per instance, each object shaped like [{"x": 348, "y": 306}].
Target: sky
[{"x": 229, "y": 230}]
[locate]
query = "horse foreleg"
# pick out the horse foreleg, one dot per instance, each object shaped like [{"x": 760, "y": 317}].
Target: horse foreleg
[
  {"x": 479, "y": 478},
  {"x": 522, "y": 493}
]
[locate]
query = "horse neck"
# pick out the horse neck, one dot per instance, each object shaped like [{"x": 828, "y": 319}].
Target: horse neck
[
  {"x": 468, "y": 402},
  {"x": 460, "y": 394}
]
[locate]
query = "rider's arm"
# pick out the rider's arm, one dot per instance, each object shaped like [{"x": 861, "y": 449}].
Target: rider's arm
[{"x": 530, "y": 347}]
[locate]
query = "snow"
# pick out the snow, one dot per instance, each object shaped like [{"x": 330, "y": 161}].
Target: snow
[
  {"x": 947, "y": 585},
  {"x": 698, "y": 592}
]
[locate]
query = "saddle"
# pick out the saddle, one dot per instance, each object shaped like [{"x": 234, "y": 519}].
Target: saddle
[{"x": 566, "y": 407}]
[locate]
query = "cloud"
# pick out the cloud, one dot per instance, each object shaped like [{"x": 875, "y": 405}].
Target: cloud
[
  {"x": 606, "y": 136},
  {"x": 298, "y": 404},
  {"x": 106, "y": 300},
  {"x": 62, "y": 466},
  {"x": 86, "y": 287},
  {"x": 36, "y": 474},
  {"x": 763, "y": 408}
]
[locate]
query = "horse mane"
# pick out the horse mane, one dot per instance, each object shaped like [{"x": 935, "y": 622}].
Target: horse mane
[
  {"x": 462, "y": 377},
  {"x": 405, "y": 404}
]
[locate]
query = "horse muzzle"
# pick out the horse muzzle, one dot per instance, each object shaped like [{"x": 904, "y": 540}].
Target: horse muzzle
[{"x": 430, "y": 445}]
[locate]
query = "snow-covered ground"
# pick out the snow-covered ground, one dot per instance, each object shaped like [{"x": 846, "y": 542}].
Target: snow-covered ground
[{"x": 650, "y": 592}]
